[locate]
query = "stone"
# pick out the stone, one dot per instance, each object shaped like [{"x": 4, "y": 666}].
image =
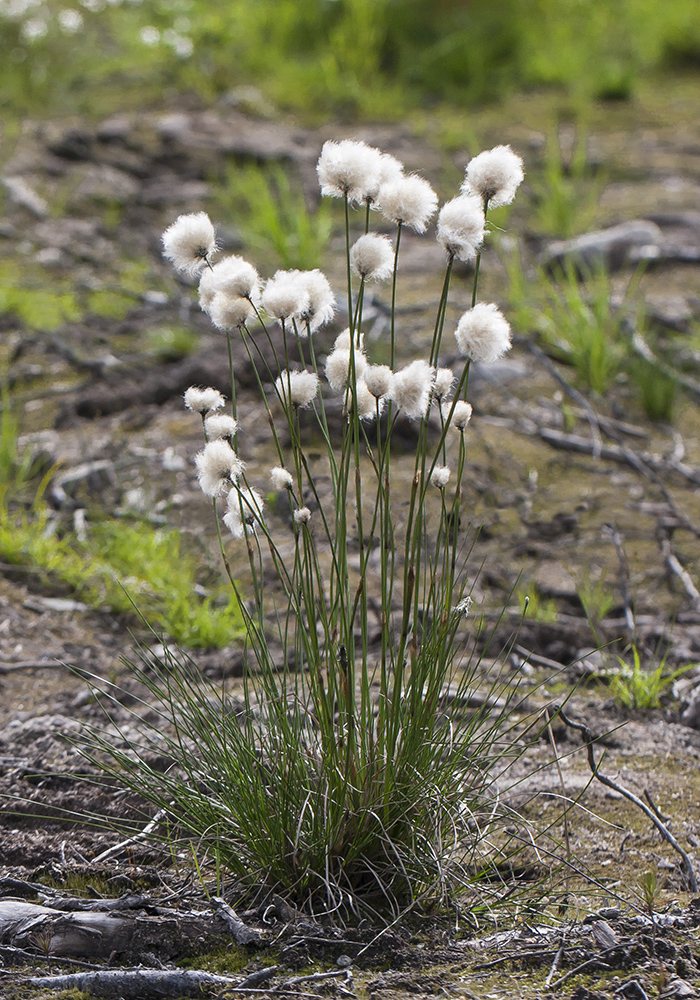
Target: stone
[
  {"x": 22, "y": 194},
  {"x": 103, "y": 183},
  {"x": 611, "y": 248}
]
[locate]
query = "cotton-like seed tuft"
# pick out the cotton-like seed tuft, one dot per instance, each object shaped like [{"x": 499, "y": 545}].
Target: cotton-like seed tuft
[
  {"x": 203, "y": 400},
  {"x": 494, "y": 175},
  {"x": 220, "y": 425},
  {"x": 372, "y": 257},
  {"x": 299, "y": 388},
  {"x": 302, "y": 515},
  {"x": 367, "y": 403},
  {"x": 229, "y": 313},
  {"x": 350, "y": 168},
  {"x": 390, "y": 169},
  {"x": 378, "y": 379},
  {"x": 464, "y": 606},
  {"x": 190, "y": 242},
  {"x": 207, "y": 289},
  {"x": 342, "y": 341},
  {"x": 440, "y": 476},
  {"x": 236, "y": 277},
  {"x": 461, "y": 226},
  {"x": 461, "y": 414},
  {"x": 321, "y": 304},
  {"x": 409, "y": 200},
  {"x": 281, "y": 479},
  {"x": 285, "y": 296},
  {"x": 444, "y": 380},
  {"x": 244, "y": 509},
  {"x": 483, "y": 333},
  {"x": 411, "y": 388},
  {"x": 338, "y": 368},
  {"x": 218, "y": 466}
]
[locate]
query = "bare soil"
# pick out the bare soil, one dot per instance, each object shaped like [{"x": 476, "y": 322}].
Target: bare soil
[{"x": 544, "y": 513}]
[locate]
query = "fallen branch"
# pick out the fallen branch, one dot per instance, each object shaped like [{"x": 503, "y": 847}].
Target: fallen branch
[
  {"x": 609, "y": 783},
  {"x": 624, "y": 576},
  {"x": 118, "y": 848},
  {"x": 137, "y": 984},
  {"x": 539, "y": 661},
  {"x": 577, "y": 397},
  {"x": 674, "y": 564},
  {"x": 8, "y": 667},
  {"x": 241, "y": 933},
  {"x": 555, "y": 964}
]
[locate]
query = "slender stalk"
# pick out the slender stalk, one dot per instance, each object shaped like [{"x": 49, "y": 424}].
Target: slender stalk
[
  {"x": 477, "y": 265},
  {"x": 392, "y": 349}
]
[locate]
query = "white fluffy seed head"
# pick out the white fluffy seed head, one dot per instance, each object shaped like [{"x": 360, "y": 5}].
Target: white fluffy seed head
[
  {"x": 483, "y": 333},
  {"x": 281, "y": 479},
  {"x": 378, "y": 379},
  {"x": 220, "y": 425},
  {"x": 285, "y": 296},
  {"x": 338, "y": 368},
  {"x": 218, "y": 466},
  {"x": 342, "y": 341},
  {"x": 302, "y": 515},
  {"x": 461, "y": 226},
  {"x": 244, "y": 510},
  {"x": 367, "y": 403},
  {"x": 321, "y": 300},
  {"x": 461, "y": 414},
  {"x": 464, "y": 606},
  {"x": 207, "y": 289},
  {"x": 390, "y": 169},
  {"x": 440, "y": 476},
  {"x": 349, "y": 167},
  {"x": 299, "y": 388},
  {"x": 236, "y": 277},
  {"x": 372, "y": 257},
  {"x": 444, "y": 380},
  {"x": 409, "y": 200},
  {"x": 411, "y": 388},
  {"x": 190, "y": 242},
  {"x": 229, "y": 313},
  {"x": 494, "y": 175},
  {"x": 203, "y": 400}
]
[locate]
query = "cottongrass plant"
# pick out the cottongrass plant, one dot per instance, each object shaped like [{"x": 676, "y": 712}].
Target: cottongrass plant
[{"x": 352, "y": 773}]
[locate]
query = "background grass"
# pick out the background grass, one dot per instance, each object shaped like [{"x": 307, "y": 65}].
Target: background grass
[{"x": 344, "y": 57}]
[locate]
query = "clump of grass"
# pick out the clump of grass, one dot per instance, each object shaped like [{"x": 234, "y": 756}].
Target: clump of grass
[
  {"x": 273, "y": 216},
  {"x": 658, "y": 390},
  {"x": 352, "y": 775},
  {"x": 579, "y": 322},
  {"x": 566, "y": 194},
  {"x": 121, "y": 565},
  {"x": 17, "y": 468},
  {"x": 578, "y": 319},
  {"x": 641, "y": 688}
]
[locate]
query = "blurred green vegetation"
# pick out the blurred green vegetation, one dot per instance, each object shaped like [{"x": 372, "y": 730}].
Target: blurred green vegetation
[{"x": 372, "y": 58}]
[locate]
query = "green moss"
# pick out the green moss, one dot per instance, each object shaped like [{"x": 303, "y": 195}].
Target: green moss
[
  {"x": 44, "y": 301},
  {"x": 80, "y": 884},
  {"x": 170, "y": 343},
  {"x": 222, "y": 960},
  {"x": 108, "y": 303}
]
